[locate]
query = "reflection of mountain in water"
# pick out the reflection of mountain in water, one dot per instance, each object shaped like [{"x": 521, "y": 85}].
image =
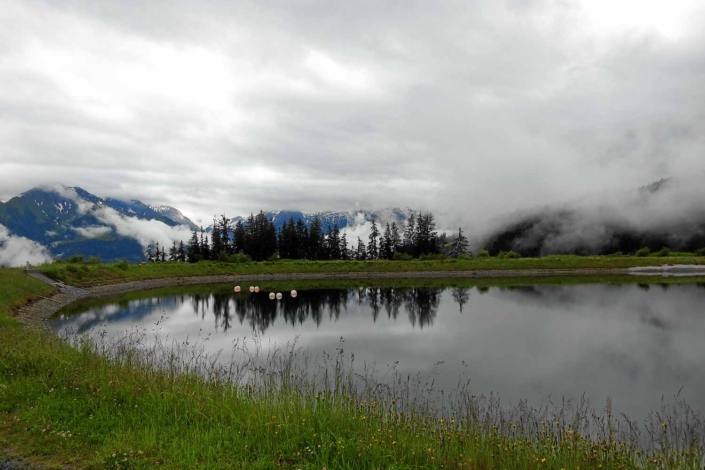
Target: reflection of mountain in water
[{"x": 421, "y": 306}]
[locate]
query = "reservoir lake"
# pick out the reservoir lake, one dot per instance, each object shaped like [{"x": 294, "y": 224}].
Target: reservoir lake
[{"x": 639, "y": 344}]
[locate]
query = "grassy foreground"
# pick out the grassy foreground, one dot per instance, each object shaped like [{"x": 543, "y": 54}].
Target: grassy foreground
[
  {"x": 86, "y": 274},
  {"x": 63, "y": 405}
]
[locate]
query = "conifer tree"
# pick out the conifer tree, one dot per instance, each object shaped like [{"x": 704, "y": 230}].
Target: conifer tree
[
  {"x": 386, "y": 244},
  {"x": 194, "y": 248},
  {"x": 361, "y": 251},
  {"x": 216, "y": 245},
  {"x": 239, "y": 238},
  {"x": 344, "y": 250},
  {"x": 156, "y": 254},
  {"x": 148, "y": 253},
  {"x": 409, "y": 235},
  {"x": 181, "y": 253},
  {"x": 162, "y": 256},
  {"x": 173, "y": 252},
  {"x": 315, "y": 239},
  {"x": 335, "y": 252},
  {"x": 372, "y": 250},
  {"x": 225, "y": 229},
  {"x": 459, "y": 245},
  {"x": 205, "y": 248},
  {"x": 301, "y": 240},
  {"x": 396, "y": 238}
]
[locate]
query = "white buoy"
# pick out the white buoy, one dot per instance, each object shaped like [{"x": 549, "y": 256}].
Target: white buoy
[
  {"x": 279, "y": 295},
  {"x": 237, "y": 289},
  {"x": 252, "y": 288},
  {"x": 293, "y": 293},
  {"x": 271, "y": 295},
  {"x": 256, "y": 288}
]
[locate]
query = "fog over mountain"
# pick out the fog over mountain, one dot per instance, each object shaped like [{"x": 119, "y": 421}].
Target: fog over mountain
[
  {"x": 667, "y": 213},
  {"x": 469, "y": 109}
]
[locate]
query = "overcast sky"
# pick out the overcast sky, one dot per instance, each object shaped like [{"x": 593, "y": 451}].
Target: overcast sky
[{"x": 467, "y": 106}]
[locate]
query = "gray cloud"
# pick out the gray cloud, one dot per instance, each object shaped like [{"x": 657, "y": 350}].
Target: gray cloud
[
  {"x": 16, "y": 251},
  {"x": 469, "y": 109}
]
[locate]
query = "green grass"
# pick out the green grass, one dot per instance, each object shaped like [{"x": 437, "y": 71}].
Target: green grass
[
  {"x": 94, "y": 274},
  {"x": 173, "y": 409}
]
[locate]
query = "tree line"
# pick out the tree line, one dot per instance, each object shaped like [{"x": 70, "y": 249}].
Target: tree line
[{"x": 258, "y": 239}]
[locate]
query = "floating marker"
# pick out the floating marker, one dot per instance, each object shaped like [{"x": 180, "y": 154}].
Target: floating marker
[
  {"x": 256, "y": 288},
  {"x": 252, "y": 288},
  {"x": 271, "y": 295},
  {"x": 279, "y": 295},
  {"x": 237, "y": 289},
  {"x": 293, "y": 293}
]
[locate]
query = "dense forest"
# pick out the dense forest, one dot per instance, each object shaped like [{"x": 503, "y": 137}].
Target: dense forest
[{"x": 259, "y": 240}]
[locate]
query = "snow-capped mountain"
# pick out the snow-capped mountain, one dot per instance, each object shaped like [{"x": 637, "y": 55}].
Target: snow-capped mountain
[{"x": 70, "y": 220}]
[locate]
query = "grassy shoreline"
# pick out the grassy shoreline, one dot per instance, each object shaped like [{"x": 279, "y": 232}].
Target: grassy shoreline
[
  {"x": 60, "y": 405},
  {"x": 86, "y": 274}
]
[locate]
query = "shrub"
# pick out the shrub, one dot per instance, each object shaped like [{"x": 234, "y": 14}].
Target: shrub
[
  {"x": 483, "y": 254},
  {"x": 646, "y": 251},
  {"x": 123, "y": 264},
  {"x": 432, "y": 256},
  {"x": 76, "y": 259},
  {"x": 700, "y": 252},
  {"x": 239, "y": 258},
  {"x": 616, "y": 253},
  {"x": 508, "y": 255},
  {"x": 664, "y": 252},
  {"x": 399, "y": 256},
  {"x": 95, "y": 260}
]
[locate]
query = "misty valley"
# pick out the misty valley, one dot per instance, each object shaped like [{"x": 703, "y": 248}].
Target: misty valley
[{"x": 639, "y": 344}]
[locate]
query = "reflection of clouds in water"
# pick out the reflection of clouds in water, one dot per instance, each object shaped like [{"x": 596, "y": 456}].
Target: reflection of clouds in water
[{"x": 622, "y": 341}]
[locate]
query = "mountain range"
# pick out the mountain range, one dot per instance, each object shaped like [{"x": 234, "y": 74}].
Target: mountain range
[{"x": 70, "y": 220}]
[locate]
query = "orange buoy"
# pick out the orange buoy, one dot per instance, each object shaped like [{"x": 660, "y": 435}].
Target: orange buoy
[
  {"x": 237, "y": 289},
  {"x": 256, "y": 288}
]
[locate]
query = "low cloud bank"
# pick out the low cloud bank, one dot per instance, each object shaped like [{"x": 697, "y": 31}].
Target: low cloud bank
[
  {"x": 668, "y": 213},
  {"x": 16, "y": 251},
  {"x": 144, "y": 231}
]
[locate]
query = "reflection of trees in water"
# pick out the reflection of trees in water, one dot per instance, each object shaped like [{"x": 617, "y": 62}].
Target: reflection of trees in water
[
  {"x": 461, "y": 295},
  {"x": 260, "y": 312},
  {"x": 420, "y": 304}
]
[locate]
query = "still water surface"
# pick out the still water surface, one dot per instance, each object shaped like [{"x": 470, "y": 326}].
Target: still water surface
[{"x": 633, "y": 343}]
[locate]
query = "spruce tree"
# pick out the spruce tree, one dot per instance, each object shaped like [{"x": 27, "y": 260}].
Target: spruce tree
[
  {"x": 148, "y": 253},
  {"x": 344, "y": 250},
  {"x": 181, "y": 253},
  {"x": 162, "y": 256},
  {"x": 156, "y": 254},
  {"x": 459, "y": 245},
  {"x": 361, "y": 251},
  {"x": 172, "y": 252},
  {"x": 301, "y": 240},
  {"x": 410, "y": 235},
  {"x": 386, "y": 244},
  {"x": 396, "y": 238},
  {"x": 239, "y": 238},
  {"x": 216, "y": 245},
  {"x": 225, "y": 229},
  {"x": 315, "y": 239},
  {"x": 194, "y": 248},
  {"x": 372, "y": 250},
  {"x": 335, "y": 252}
]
